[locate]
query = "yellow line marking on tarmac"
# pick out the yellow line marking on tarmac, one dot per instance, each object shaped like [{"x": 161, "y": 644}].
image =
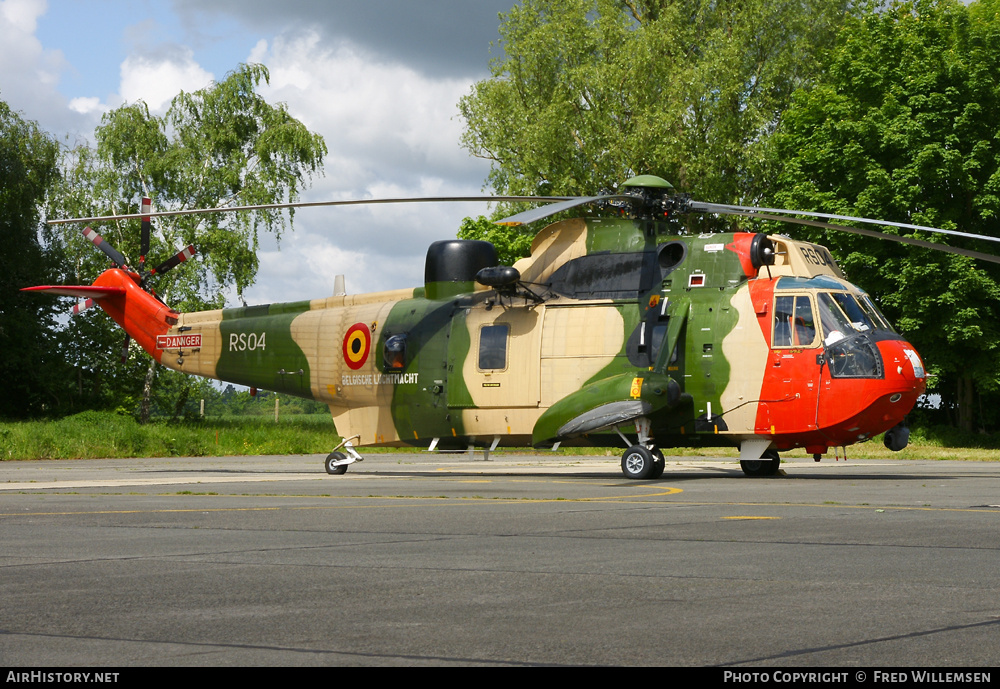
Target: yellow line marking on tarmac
[
  {"x": 125, "y": 482},
  {"x": 436, "y": 499},
  {"x": 466, "y": 500}
]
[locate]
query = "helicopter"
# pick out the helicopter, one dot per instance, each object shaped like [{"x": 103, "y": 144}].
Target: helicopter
[{"x": 615, "y": 331}]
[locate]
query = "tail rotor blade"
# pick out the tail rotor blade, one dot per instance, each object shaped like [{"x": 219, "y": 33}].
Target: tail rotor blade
[
  {"x": 101, "y": 244},
  {"x": 147, "y": 204},
  {"x": 87, "y": 303},
  {"x": 174, "y": 260}
]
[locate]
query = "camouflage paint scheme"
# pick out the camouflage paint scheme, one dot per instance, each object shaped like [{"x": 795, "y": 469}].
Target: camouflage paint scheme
[{"x": 635, "y": 323}]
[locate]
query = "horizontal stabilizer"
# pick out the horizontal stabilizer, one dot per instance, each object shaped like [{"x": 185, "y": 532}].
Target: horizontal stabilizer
[{"x": 79, "y": 291}]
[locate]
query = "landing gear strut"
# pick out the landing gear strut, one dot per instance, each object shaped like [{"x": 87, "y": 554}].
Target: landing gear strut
[
  {"x": 643, "y": 460},
  {"x": 336, "y": 463}
]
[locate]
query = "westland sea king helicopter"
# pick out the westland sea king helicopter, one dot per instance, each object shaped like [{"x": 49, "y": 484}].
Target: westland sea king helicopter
[{"x": 615, "y": 331}]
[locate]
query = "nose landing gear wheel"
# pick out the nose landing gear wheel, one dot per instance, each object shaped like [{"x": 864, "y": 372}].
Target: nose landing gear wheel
[
  {"x": 767, "y": 465},
  {"x": 332, "y": 468}
]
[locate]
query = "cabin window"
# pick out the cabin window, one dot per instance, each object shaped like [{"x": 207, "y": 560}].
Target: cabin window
[
  {"x": 394, "y": 353},
  {"x": 493, "y": 347},
  {"x": 794, "y": 325}
]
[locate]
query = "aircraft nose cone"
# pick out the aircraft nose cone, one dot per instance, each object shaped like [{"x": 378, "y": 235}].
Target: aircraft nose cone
[{"x": 903, "y": 363}]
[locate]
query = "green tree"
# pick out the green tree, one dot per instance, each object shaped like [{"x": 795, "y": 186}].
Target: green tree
[
  {"x": 588, "y": 93},
  {"x": 903, "y": 127},
  {"x": 221, "y": 146},
  {"x": 33, "y": 375},
  {"x": 510, "y": 245}
]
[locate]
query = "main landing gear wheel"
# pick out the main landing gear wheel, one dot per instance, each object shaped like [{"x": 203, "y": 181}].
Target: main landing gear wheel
[
  {"x": 638, "y": 463},
  {"x": 659, "y": 464},
  {"x": 331, "y": 468},
  {"x": 767, "y": 465}
]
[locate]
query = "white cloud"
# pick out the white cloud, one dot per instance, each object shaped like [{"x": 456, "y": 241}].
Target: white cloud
[
  {"x": 386, "y": 112},
  {"x": 157, "y": 80},
  {"x": 85, "y": 106},
  {"x": 23, "y": 14},
  {"x": 392, "y": 132},
  {"x": 28, "y": 74}
]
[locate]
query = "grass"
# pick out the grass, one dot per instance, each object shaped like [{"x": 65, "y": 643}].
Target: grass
[
  {"x": 98, "y": 435},
  {"x": 93, "y": 435}
]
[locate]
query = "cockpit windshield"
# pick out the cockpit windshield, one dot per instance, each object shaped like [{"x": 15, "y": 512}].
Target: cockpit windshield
[
  {"x": 848, "y": 328},
  {"x": 843, "y": 314}
]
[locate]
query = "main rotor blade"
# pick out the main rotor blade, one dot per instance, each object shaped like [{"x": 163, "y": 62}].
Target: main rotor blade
[
  {"x": 101, "y": 244},
  {"x": 534, "y": 214},
  {"x": 750, "y": 211},
  {"x": 311, "y": 204},
  {"x": 870, "y": 233},
  {"x": 173, "y": 261}
]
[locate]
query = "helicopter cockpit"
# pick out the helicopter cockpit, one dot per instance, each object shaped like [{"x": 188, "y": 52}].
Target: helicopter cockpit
[{"x": 825, "y": 311}]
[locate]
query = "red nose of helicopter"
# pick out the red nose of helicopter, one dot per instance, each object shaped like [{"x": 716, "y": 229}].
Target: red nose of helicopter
[
  {"x": 864, "y": 407},
  {"x": 839, "y": 379}
]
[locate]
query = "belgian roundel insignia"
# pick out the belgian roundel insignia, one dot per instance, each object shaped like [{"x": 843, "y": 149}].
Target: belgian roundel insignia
[{"x": 357, "y": 343}]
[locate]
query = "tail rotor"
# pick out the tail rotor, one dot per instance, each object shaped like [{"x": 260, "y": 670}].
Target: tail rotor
[{"x": 140, "y": 277}]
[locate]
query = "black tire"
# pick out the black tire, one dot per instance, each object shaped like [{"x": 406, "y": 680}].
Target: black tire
[
  {"x": 659, "y": 464},
  {"x": 335, "y": 457},
  {"x": 767, "y": 465},
  {"x": 638, "y": 463}
]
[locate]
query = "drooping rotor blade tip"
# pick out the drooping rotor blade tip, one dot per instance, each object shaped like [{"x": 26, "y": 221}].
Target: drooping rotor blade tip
[{"x": 752, "y": 211}]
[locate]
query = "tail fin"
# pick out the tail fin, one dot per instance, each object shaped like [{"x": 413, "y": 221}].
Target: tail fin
[{"x": 143, "y": 316}]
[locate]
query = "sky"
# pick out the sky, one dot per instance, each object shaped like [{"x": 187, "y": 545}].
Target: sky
[{"x": 378, "y": 79}]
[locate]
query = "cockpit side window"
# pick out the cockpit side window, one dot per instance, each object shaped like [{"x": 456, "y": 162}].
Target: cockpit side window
[
  {"x": 794, "y": 325},
  {"x": 876, "y": 315}
]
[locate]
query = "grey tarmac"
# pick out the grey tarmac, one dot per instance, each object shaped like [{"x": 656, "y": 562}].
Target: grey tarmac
[{"x": 435, "y": 560}]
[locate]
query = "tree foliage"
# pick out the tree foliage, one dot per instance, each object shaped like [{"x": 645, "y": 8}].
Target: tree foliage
[
  {"x": 221, "y": 146},
  {"x": 33, "y": 375},
  {"x": 589, "y": 93},
  {"x": 902, "y": 127},
  {"x": 510, "y": 246}
]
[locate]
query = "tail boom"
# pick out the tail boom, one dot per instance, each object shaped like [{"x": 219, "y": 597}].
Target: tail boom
[
  {"x": 143, "y": 316},
  {"x": 139, "y": 313}
]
